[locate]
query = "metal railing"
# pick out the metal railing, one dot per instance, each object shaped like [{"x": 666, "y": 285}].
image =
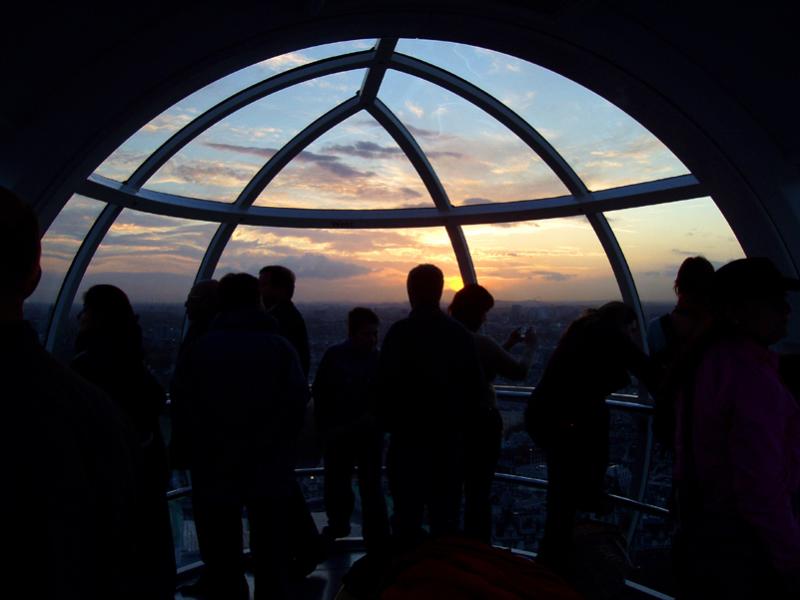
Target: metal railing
[{"x": 623, "y": 402}]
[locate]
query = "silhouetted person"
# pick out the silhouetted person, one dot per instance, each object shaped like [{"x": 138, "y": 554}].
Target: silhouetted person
[
  {"x": 675, "y": 330},
  {"x": 671, "y": 335},
  {"x": 568, "y": 418},
  {"x": 69, "y": 457},
  {"x": 343, "y": 390},
  {"x": 431, "y": 390},
  {"x": 737, "y": 468},
  {"x": 245, "y": 395},
  {"x": 469, "y": 307},
  {"x": 202, "y": 306},
  {"x": 109, "y": 354},
  {"x": 276, "y": 283},
  {"x": 277, "y": 289}
]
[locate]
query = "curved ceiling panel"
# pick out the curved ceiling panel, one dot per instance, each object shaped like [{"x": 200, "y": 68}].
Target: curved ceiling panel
[
  {"x": 477, "y": 159},
  {"x": 355, "y": 165},
  {"x": 125, "y": 159},
  {"x": 656, "y": 240},
  {"x": 219, "y": 163},
  {"x": 606, "y": 147}
]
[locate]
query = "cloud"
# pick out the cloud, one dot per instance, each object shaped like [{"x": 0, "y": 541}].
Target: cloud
[
  {"x": 318, "y": 266},
  {"x": 254, "y": 150},
  {"x": 416, "y": 131},
  {"x": 365, "y": 149},
  {"x": 659, "y": 273},
  {"x": 415, "y": 109},
  {"x": 371, "y": 150},
  {"x": 410, "y": 193},
  {"x": 285, "y": 61},
  {"x": 553, "y": 275},
  {"x": 74, "y": 220},
  {"x": 328, "y": 162},
  {"x": 206, "y": 173},
  {"x": 144, "y": 286},
  {"x": 474, "y": 201},
  {"x": 167, "y": 122}
]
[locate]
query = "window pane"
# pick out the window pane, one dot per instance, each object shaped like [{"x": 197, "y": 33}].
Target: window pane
[
  {"x": 605, "y": 146},
  {"x": 355, "y": 165},
  {"x": 657, "y": 239},
  {"x": 541, "y": 273},
  {"x": 477, "y": 159},
  {"x": 339, "y": 269},
  {"x": 59, "y": 246},
  {"x": 153, "y": 259},
  {"x": 121, "y": 164},
  {"x": 219, "y": 163}
]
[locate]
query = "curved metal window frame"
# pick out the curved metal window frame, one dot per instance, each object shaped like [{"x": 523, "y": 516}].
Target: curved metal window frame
[{"x": 579, "y": 201}]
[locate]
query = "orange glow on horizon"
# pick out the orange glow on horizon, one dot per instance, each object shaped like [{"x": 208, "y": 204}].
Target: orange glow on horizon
[{"x": 453, "y": 283}]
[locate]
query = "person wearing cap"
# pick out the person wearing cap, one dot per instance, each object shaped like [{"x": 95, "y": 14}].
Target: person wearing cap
[{"x": 737, "y": 468}]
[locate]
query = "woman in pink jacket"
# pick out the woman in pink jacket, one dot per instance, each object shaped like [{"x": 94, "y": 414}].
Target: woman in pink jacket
[{"x": 737, "y": 471}]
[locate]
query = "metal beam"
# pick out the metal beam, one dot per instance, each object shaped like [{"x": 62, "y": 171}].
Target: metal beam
[
  {"x": 463, "y": 256},
  {"x": 619, "y": 265},
  {"x": 402, "y": 136},
  {"x": 496, "y": 109},
  {"x": 684, "y": 187},
  {"x": 372, "y": 80},
  {"x": 294, "y": 147},
  {"x": 261, "y": 179},
  {"x": 74, "y": 276},
  {"x": 214, "y": 251},
  {"x": 338, "y": 64}
]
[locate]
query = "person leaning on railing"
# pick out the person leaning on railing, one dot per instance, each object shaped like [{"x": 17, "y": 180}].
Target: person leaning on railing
[{"x": 568, "y": 418}]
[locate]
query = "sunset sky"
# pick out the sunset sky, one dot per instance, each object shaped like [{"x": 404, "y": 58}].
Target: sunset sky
[{"x": 358, "y": 165}]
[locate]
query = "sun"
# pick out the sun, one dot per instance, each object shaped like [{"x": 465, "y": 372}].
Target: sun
[{"x": 454, "y": 282}]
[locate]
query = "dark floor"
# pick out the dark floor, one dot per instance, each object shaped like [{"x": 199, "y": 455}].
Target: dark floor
[{"x": 325, "y": 582}]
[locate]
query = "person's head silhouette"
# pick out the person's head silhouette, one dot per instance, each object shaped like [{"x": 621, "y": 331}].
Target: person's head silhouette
[
  {"x": 276, "y": 283},
  {"x": 749, "y": 297},
  {"x": 470, "y": 305},
  {"x": 694, "y": 279},
  {"x": 202, "y": 303},
  {"x": 20, "y": 252},
  {"x": 107, "y": 319},
  {"x": 362, "y": 328},
  {"x": 238, "y": 291},
  {"x": 424, "y": 285}
]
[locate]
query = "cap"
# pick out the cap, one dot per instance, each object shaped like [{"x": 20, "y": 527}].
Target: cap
[{"x": 754, "y": 277}]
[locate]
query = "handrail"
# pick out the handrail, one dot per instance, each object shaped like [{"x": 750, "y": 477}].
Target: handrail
[
  {"x": 530, "y": 482},
  {"x": 617, "y": 401},
  {"x": 537, "y": 483}
]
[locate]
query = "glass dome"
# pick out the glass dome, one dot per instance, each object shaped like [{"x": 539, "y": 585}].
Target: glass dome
[
  {"x": 352, "y": 162},
  {"x": 361, "y": 157}
]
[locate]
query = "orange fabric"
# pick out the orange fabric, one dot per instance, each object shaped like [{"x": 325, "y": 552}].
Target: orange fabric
[{"x": 458, "y": 568}]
